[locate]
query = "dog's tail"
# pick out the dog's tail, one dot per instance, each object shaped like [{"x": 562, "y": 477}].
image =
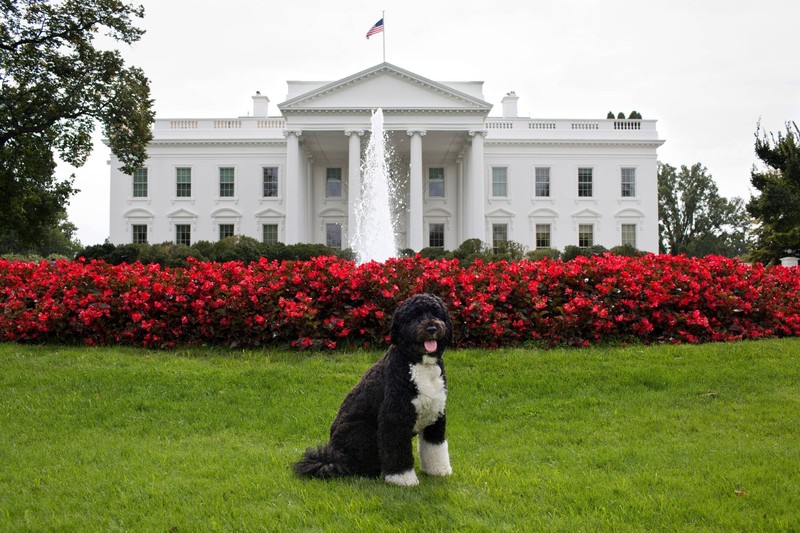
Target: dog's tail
[{"x": 322, "y": 462}]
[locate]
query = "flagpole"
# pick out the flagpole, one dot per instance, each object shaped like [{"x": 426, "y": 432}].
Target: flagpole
[{"x": 383, "y": 17}]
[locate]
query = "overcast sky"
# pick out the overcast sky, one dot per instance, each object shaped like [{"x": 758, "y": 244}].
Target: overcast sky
[{"x": 707, "y": 70}]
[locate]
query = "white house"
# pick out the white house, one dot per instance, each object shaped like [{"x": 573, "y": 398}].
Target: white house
[{"x": 295, "y": 177}]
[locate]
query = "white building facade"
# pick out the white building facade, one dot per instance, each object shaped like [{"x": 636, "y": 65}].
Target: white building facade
[{"x": 296, "y": 177}]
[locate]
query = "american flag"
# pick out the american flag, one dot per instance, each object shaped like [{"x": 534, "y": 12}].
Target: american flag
[{"x": 377, "y": 28}]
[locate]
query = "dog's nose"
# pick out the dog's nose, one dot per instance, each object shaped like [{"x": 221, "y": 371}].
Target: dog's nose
[{"x": 431, "y": 329}]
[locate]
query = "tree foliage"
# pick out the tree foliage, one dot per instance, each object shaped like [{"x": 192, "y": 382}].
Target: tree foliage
[
  {"x": 56, "y": 84},
  {"x": 694, "y": 219},
  {"x": 777, "y": 207}
]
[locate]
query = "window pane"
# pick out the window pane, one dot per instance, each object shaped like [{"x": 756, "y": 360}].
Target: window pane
[
  {"x": 333, "y": 183},
  {"x": 139, "y": 233},
  {"x": 270, "y": 233},
  {"x": 543, "y": 181},
  {"x": 183, "y": 234},
  {"x": 628, "y": 183},
  {"x": 499, "y": 181},
  {"x": 225, "y": 231},
  {"x": 140, "y": 183},
  {"x": 436, "y": 183},
  {"x": 499, "y": 237},
  {"x": 585, "y": 235},
  {"x": 585, "y": 182},
  {"x": 629, "y": 234},
  {"x": 333, "y": 235},
  {"x": 542, "y": 235},
  {"x": 226, "y": 182},
  {"x": 183, "y": 178},
  {"x": 436, "y": 235},
  {"x": 270, "y": 182}
]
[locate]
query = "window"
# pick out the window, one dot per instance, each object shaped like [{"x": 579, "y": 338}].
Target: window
[
  {"x": 499, "y": 237},
  {"x": 542, "y": 185},
  {"x": 628, "y": 234},
  {"x": 225, "y": 231},
  {"x": 183, "y": 234},
  {"x": 543, "y": 236},
  {"x": 585, "y": 182},
  {"x": 183, "y": 178},
  {"x": 270, "y": 182},
  {"x": 140, "y": 183},
  {"x": 435, "y": 183},
  {"x": 139, "y": 233},
  {"x": 499, "y": 182},
  {"x": 226, "y": 182},
  {"x": 333, "y": 235},
  {"x": 436, "y": 235},
  {"x": 333, "y": 183},
  {"x": 269, "y": 234},
  {"x": 585, "y": 235},
  {"x": 628, "y": 180}
]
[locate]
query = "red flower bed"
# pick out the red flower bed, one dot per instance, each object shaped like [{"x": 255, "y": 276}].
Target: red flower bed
[{"x": 329, "y": 302}]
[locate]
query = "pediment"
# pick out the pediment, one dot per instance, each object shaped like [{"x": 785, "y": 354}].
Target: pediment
[
  {"x": 269, "y": 213},
  {"x": 182, "y": 213},
  {"x": 544, "y": 212},
  {"x": 138, "y": 212},
  {"x": 629, "y": 213},
  {"x": 586, "y": 213},
  {"x": 226, "y": 212},
  {"x": 388, "y": 87},
  {"x": 500, "y": 213}
]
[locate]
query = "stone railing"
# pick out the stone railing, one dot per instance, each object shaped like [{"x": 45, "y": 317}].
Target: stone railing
[
  {"x": 579, "y": 128},
  {"x": 246, "y": 123}
]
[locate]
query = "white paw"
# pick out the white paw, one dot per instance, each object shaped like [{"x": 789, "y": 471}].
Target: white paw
[
  {"x": 406, "y": 479},
  {"x": 434, "y": 458}
]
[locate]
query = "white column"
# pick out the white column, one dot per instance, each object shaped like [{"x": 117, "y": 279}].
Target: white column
[
  {"x": 416, "y": 239},
  {"x": 353, "y": 181},
  {"x": 293, "y": 182},
  {"x": 459, "y": 226},
  {"x": 475, "y": 210}
]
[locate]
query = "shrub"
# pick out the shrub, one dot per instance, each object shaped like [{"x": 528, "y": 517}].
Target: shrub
[
  {"x": 542, "y": 253},
  {"x": 328, "y": 302},
  {"x": 626, "y": 250}
]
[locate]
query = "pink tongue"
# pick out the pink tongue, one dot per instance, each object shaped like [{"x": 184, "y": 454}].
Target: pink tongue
[{"x": 430, "y": 346}]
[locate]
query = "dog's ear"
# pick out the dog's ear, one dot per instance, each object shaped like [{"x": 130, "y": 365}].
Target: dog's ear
[{"x": 397, "y": 319}]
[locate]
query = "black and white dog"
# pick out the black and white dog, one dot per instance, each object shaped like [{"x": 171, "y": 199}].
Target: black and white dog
[{"x": 400, "y": 396}]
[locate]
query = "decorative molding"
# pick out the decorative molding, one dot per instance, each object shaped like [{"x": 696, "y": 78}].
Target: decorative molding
[
  {"x": 297, "y": 133},
  {"x": 483, "y": 133},
  {"x": 356, "y": 132},
  {"x": 421, "y": 133}
]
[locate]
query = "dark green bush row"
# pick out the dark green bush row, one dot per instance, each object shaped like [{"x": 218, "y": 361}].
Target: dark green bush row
[
  {"x": 247, "y": 249},
  {"x": 240, "y": 248}
]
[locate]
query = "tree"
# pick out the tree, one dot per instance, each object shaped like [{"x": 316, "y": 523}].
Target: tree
[
  {"x": 694, "y": 219},
  {"x": 777, "y": 208},
  {"x": 55, "y": 86}
]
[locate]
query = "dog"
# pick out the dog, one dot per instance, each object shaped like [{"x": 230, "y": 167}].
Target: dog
[{"x": 400, "y": 396}]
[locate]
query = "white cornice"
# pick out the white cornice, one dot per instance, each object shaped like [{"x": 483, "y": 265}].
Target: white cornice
[{"x": 574, "y": 142}]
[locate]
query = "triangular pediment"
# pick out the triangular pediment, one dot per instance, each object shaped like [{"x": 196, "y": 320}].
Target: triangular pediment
[
  {"x": 388, "y": 87},
  {"x": 587, "y": 213},
  {"x": 182, "y": 213}
]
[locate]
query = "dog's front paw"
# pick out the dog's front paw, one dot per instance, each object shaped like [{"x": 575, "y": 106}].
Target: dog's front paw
[
  {"x": 434, "y": 458},
  {"x": 406, "y": 479}
]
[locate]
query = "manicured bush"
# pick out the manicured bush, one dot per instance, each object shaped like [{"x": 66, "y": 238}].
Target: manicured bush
[{"x": 328, "y": 302}]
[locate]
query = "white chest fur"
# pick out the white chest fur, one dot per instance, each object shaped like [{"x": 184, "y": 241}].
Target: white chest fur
[{"x": 430, "y": 401}]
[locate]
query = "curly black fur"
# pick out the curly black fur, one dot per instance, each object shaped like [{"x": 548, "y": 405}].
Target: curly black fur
[{"x": 372, "y": 433}]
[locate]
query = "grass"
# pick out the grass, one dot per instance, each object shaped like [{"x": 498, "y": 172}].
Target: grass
[{"x": 660, "y": 438}]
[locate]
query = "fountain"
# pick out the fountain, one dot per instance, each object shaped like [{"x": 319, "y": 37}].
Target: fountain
[{"x": 374, "y": 238}]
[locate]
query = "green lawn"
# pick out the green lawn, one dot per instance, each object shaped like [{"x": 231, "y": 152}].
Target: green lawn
[{"x": 662, "y": 438}]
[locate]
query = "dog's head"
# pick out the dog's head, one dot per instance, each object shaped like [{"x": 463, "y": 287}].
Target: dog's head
[{"x": 421, "y": 326}]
